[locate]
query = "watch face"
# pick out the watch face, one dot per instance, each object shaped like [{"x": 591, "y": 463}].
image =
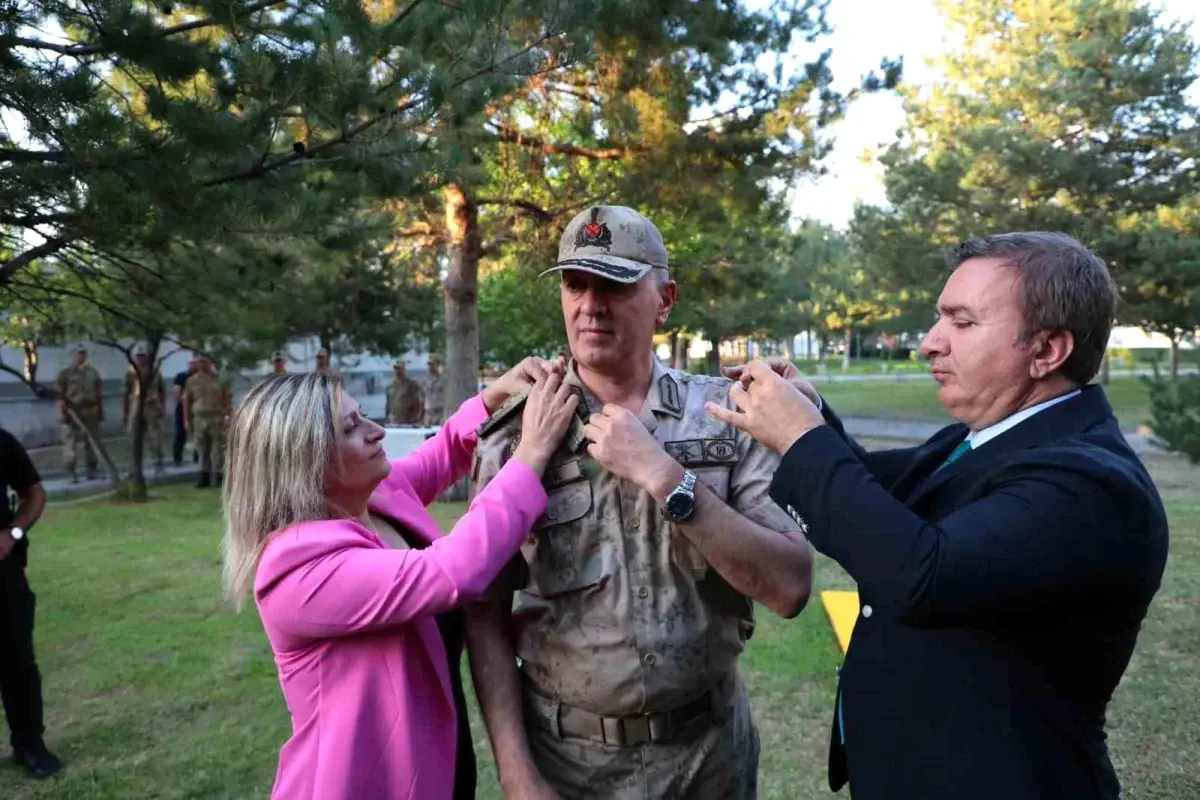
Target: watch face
[{"x": 679, "y": 506}]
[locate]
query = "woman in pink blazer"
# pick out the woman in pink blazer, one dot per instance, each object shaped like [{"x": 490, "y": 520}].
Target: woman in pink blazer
[{"x": 351, "y": 575}]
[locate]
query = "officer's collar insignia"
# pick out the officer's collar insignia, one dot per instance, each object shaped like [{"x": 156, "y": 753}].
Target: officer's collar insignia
[
  {"x": 668, "y": 395},
  {"x": 595, "y": 233}
]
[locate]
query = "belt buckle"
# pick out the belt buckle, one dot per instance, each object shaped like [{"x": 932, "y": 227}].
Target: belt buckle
[{"x": 636, "y": 730}]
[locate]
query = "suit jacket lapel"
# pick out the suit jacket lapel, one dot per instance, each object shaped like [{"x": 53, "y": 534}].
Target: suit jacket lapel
[{"x": 1064, "y": 419}]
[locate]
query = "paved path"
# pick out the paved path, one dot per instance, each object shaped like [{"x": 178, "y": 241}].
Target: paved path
[
  {"x": 60, "y": 488},
  {"x": 835, "y": 375},
  {"x": 916, "y": 431}
]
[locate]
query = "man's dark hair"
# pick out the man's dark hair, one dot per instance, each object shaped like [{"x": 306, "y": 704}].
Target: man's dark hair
[{"x": 1064, "y": 287}]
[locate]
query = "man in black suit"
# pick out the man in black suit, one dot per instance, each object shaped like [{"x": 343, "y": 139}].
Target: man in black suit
[
  {"x": 20, "y": 681},
  {"x": 1005, "y": 566}
]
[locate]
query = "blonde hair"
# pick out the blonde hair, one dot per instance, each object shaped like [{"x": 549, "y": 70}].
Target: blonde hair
[{"x": 282, "y": 443}]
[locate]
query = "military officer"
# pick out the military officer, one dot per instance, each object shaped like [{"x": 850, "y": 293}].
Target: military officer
[
  {"x": 143, "y": 372},
  {"x": 323, "y": 367},
  {"x": 206, "y": 403},
  {"x": 79, "y": 383},
  {"x": 637, "y": 584},
  {"x": 405, "y": 404},
  {"x": 434, "y": 393}
]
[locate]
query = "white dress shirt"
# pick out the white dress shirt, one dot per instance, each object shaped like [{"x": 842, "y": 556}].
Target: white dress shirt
[{"x": 980, "y": 438}]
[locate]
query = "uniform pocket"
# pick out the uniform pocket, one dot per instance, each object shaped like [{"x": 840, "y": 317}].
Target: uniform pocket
[{"x": 556, "y": 562}]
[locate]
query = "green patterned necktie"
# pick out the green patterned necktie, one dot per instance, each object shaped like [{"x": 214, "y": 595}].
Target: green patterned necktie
[{"x": 963, "y": 447}]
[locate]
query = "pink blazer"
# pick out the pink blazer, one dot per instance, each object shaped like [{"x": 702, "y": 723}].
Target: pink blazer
[{"x": 351, "y": 623}]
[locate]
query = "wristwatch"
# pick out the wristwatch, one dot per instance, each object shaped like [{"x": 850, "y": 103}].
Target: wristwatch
[
  {"x": 681, "y": 502},
  {"x": 17, "y": 534}
]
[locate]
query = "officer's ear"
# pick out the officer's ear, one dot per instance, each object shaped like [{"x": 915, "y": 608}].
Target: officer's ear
[{"x": 668, "y": 292}]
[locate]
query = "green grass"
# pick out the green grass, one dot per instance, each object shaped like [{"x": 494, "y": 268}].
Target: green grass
[
  {"x": 155, "y": 690},
  {"x": 917, "y": 400}
]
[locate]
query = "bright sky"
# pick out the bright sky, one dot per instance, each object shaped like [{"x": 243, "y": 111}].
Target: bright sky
[{"x": 865, "y": 31}]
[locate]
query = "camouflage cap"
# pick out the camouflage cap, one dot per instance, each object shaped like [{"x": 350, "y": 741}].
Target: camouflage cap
[
  {"x": 80, "y": 348},
  {"x": 614, "y": 242},
  {"x": 323, "y": 352},
  {"x": 278, "y": 356}
]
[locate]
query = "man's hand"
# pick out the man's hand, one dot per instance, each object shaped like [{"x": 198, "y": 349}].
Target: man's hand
[
  {"x": 7, "y": 543},
  {"x": 621, "y": 444},
  {"x": 784, "y": 369},
  {"x": 517, "y": 379},
  {"x": 773, "y": 410}
]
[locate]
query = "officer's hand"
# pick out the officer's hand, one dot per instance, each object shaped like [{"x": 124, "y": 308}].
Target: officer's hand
[
  {"x": 7, "y": 543},
  {"x": 518, "y": 379},
  {"x": 536, "y": 789},
  {"x": 622, "y": 445},
  {"x": 784, "y": 369},
  {"x": 773, "y": 410}
]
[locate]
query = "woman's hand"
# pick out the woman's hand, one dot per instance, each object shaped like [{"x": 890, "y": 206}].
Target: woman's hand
[
  {"x": 549, "y": 409},
  {"x": 518, "y": 379}
]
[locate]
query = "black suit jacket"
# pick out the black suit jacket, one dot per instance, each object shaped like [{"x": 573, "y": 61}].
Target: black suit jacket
[{"x": 1001, "y": 598}]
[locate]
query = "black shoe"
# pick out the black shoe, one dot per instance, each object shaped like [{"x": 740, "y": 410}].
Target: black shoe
[
  {"x": 38, "y": 762},
  {"x": 204, "y": 482}
]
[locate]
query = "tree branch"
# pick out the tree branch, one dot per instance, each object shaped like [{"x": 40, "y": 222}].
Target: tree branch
[
  {"x": 13, "y": 265},
  {"x": 610, "y": 153},
  {"x": 95, "y": 49},
  {"x": 14, "y": 156},
  {"x": 532, "y": 208}
]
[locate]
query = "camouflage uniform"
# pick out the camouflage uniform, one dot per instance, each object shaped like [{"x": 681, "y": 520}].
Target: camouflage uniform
[
  {"x": 434, "y": 400},
  {"x": 153, "y": 408},
  {"x": 80, "y": 385},
  {"x": 404, "y": 401},
  {"x": 206, "y": 404},
  {"x": 619, "y": 615}
]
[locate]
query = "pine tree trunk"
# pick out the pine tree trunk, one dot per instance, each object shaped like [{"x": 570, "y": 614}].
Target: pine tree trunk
[
  {"x": 714, "y": 355},
  {"x": 1174, "y": 356},
  {"x": 1106, "y": 369},
  {"x": 789, "y": 348},
  {"x": 682, "y": 345},
  {"x": 849, "y": 337},
  {"x": 461, "y": 294}
]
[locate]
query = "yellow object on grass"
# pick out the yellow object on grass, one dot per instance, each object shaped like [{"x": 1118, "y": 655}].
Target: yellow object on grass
[{"x": 842, "y": 608}]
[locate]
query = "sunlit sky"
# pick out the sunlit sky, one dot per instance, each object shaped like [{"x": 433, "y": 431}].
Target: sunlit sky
[{"x": 863, "y": 32}]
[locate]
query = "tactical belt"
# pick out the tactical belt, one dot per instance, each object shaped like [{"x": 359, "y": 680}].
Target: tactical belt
[{"x": 568, "y": 722}]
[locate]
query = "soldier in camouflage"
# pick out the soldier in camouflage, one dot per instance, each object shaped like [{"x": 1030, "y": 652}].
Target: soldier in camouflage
[
  {"x": 405, "y": 404},
  {"x": 636, "y": 587},
  {"x": 80, "y": 384},
  {"x": 206, "y": 404},
  {"x": 153, "y": 410},
  {"x": 434, "y": 394},
  {"x": 279, "y": 363},
  {"x": 323, "y": 367}
]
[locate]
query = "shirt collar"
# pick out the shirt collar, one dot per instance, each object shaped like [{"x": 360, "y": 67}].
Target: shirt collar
[
  {"x": 665, "y": 395},
  {"x": 980, "y": 438}
]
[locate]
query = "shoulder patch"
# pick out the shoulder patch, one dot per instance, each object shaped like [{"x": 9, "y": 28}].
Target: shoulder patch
[
  {"x": 668, "y": 391},
  {"x": 503, "y": 413}
]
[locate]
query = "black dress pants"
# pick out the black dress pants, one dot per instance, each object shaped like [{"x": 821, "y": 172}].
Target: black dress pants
[{"x": 20, "y": 682}]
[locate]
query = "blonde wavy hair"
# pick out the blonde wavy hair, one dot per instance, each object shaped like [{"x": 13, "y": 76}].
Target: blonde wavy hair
[{"x": 282, "y": 443}]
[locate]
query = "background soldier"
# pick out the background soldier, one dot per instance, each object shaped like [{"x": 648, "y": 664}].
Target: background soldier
[
  {"x": 323, "y": 367},
  {"x": 637, "y": 584},
  {"x": 154, "y": 407},
  {"x": 279, "y": 362},
  {"x": 434, "y": 394},
  {"x": 205, "y": 406},
  {"x": 80, "y": 384},
  {"x": 404, "y": 405},
  {"x": 181, "y": 432}
]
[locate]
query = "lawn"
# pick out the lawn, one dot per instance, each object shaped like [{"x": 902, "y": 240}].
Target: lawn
[
  {"x": 154, "y": 689},
  {"x": 917, "y": 399}
]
